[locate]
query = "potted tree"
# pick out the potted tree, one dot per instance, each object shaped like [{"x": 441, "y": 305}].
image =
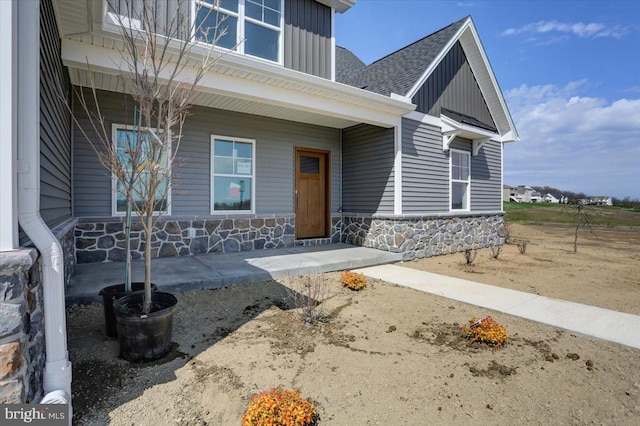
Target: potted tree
[{"x": 160, "y": 74}]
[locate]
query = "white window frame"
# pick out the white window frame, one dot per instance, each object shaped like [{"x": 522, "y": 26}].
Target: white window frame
[
  {"x": 240, "y": 41},
  {"x": 114, "y": 180},
  {"x": 212, "y": 175},
  {"x": 452, "y": 180}
]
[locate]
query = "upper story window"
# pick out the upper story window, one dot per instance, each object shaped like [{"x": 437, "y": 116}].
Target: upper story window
[{"x": 253, "y": 27}]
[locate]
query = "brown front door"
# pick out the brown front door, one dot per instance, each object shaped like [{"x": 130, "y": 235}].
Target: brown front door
[{"x": 312, "y": 190}]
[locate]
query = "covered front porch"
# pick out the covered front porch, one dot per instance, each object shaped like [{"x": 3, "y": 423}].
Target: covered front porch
[{"x": 217, "y": 270}]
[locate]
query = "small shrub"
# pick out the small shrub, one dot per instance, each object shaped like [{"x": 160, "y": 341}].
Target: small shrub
[
  {"x": 470, "y": 256},
  {"x": 495, "y": 251},
  {"x": 486, "y": 331},
  {"x": 280, "y": 407},
  {"x": 307, "y": 296},
  {"x": 522, "y": 247},
  {"x": 353, "y": 281}
]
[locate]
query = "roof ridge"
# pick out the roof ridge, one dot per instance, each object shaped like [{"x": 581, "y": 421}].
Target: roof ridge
[{"x": 419, "y": 40}]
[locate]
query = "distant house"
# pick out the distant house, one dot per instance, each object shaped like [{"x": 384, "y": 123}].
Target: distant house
[
  {"x": 526, "y": 194},
  {"x": 508, "y": 192},
  {"x": 549, "y": 198},
  {"x": 601, "y": 201}
]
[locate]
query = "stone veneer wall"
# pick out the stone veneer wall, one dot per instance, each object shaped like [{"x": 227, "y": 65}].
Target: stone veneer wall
[
  {"x": 422, "y": 236},
  {"x": 22, "y": 355},
  {"x": 104, "y": 241},
  {"x": 65, "y": 233}
]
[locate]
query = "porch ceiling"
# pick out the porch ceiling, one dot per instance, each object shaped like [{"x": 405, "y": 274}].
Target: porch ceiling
[{"x": 236, "y": 82}]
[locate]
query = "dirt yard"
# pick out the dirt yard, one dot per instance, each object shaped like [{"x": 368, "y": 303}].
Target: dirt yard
[{"x": 387, "y": 355}]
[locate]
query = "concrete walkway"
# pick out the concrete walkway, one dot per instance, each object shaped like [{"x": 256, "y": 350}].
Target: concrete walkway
[
  {"x": 209, "y": 271},
  {"x": 583, "y": 319}
]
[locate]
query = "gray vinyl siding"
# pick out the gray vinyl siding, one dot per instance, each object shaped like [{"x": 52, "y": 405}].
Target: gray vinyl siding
[
  {"x": 425, "y": 169},
  {"x": 367, "y": 169},
  {"x": 307, "y": 37},
  {"x": 452, "y": 85},
  {"x": 55, "y": 125},
  {"x": 275, "y": 147},
  {"x": 486, "y": 182}
]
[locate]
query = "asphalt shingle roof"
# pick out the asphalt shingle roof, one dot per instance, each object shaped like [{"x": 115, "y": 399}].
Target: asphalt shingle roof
[{"x": 399, "y": 71}]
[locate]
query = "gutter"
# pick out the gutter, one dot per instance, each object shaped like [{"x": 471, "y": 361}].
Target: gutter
[{"x": 57, "y": 371}]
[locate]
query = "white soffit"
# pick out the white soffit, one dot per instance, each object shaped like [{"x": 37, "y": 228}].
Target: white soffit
[
  {"x": 339, "y": 5},
  {"x": 254, "y": 87}
]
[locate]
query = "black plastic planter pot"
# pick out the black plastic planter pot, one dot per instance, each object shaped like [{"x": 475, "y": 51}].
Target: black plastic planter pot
[
  {"x": 145, "y": 337},
  {"x": 114, "y": 292}
]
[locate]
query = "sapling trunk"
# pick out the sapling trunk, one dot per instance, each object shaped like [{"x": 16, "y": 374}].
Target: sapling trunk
[{"x": 146, "y": 308}]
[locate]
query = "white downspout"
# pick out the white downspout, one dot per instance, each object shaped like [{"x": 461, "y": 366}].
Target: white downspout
[{"x": 57, "y": 371}]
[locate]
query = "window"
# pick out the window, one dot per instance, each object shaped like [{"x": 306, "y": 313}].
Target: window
[
  {"x": 460, "y": 179},
  {"x": 132, "y": 147},
  {"x": 253, "y": 27},
  {"x": 232, "y": 175}
]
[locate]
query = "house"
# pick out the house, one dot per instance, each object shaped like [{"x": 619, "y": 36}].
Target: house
[
  {"x": 601, "y": 201},
  {"x": 549, "y": 198},
  {"x": 509, "y": 193},
  {"x": 526, "y": 194},
  {"x": 403, "y": 154}
]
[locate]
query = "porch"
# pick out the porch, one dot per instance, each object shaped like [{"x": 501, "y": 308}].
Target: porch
[{"x": 211, "y": 271}]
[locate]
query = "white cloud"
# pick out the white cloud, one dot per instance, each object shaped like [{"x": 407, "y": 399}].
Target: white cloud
[
  {"x": 573, "y": 141},
  {"x": 580, "y": 29}
]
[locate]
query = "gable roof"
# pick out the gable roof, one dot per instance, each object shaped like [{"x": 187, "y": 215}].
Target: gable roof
[
  {"x": 405, "y": 71},
  {"x": 348, "y": 67},
  {"x": 398, "y": 71}
]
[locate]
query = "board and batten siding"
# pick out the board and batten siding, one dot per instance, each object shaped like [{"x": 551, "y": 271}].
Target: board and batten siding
[
  {"x": 486, "y": 182},
  {"x": 275, "y": 147},
  {"x": 425, "y": 169},
  {"x": 55, "y": 125},
  {"x": 367, "y": 169},
  {"x": 452, "y": 85},
  {"x": 307, "y": 37},
  {"x": 307, "y": 29}
]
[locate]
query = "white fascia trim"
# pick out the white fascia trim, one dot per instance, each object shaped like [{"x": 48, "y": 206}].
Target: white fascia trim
[
  {"x": 495, "y": 89},
  {"x": 424, "y": 118},
  {"x": 321, "y": 96},
  {"x": 397, "y": 167},
  {"x": 412, "y": 92},
  {"x": 333, "y": 44},
  {"x": 339, "y": 5},
  {"x": 8, "y": 125},
  {"x": 478, "y": 136},
  {"x": 494, "y": 81}
]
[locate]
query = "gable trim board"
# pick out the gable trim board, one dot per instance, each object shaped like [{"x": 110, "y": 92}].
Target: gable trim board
[{"x": 468, "y": 37}]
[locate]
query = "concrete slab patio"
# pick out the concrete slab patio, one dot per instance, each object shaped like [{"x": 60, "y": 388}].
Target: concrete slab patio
[
  {"x": 587, "y": 320},
  {"x": 210, "y": 271}
]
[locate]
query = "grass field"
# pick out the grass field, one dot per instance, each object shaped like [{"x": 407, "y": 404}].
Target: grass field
[{"x": 566, "y": 214}]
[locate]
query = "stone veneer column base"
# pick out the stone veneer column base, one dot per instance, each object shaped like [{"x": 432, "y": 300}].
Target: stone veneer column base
[
  {"x": 22, "y": 352},
  {"x": 423, "y": 236}
]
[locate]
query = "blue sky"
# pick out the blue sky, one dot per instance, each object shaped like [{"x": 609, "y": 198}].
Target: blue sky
[{"x": 569, "y": 70}]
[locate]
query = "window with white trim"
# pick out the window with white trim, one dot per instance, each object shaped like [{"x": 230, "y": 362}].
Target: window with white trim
[
  {"x": 253, "y": 27},
  {"x": 133, "y": 149},
  {"x": 232, "y": 175},
  {"x": 460, "y": 179}
]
